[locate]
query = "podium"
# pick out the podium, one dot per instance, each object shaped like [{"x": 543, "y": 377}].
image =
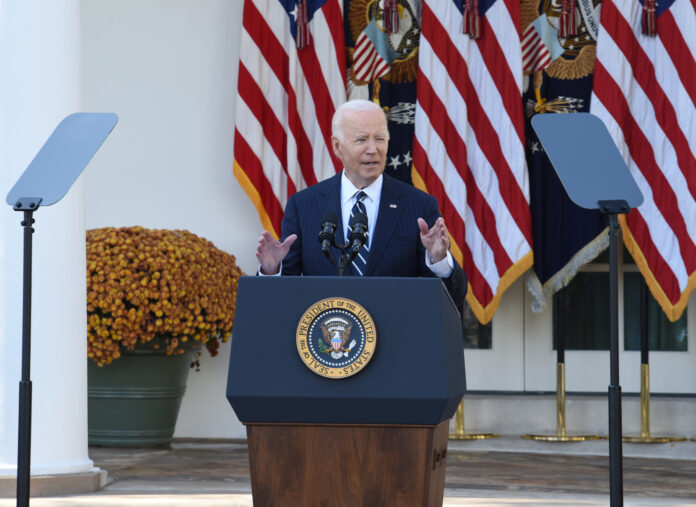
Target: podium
[{"x": 375, "y": 437}]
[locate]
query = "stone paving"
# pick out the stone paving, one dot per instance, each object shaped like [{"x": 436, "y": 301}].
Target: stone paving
[{"x": 204, "y": 473}]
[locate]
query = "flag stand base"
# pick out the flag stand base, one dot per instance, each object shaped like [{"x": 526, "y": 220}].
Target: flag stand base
[
  {"x": 561, "y": 435},
  {"x": 645, "y": 437},
  {"x": 459, "y": 432}
]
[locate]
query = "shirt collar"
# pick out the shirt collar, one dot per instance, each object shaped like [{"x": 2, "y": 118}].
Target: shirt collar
[{"x": 348, "y": 190}]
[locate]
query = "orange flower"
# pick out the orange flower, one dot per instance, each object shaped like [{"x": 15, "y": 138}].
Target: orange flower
[{"x": 165, "y": 289}]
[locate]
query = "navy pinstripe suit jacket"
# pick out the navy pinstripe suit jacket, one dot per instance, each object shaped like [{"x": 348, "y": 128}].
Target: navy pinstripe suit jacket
[{"x": 395, "y": 249}]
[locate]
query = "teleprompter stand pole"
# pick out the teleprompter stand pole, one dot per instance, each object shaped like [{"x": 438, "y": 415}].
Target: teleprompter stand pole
[
  {"x": 28, "y": 206},
  {"x": 612, "y": 209}
]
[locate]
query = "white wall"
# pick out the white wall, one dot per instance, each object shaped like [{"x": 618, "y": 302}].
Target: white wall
[
  {"x": 40, "y": 85},
  {"x": 168, "y": 68}
]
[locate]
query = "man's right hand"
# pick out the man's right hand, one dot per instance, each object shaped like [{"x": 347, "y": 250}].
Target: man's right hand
[{"x": 270, "y": 252}]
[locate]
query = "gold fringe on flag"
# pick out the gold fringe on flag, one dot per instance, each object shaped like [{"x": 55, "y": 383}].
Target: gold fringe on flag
[{"x": 673, "y": 311}]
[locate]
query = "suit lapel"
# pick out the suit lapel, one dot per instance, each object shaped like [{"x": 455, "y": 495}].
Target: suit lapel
[{"x": 390, "y": 209}]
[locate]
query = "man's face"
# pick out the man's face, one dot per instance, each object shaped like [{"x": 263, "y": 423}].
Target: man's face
[{"x": 363, "y": 150}]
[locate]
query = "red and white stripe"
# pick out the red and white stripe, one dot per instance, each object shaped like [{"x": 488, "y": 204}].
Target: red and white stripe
[
  {"x": 286, "y": 98},
  {"x": 368, "y": 65},
  {"x": 468, "y": 149},
  {"x": 645, "y": 92},
  {"x": 535, "y": 54}
]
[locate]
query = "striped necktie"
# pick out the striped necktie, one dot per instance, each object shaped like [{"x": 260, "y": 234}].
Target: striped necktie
[{"x": 360, "y": 261}]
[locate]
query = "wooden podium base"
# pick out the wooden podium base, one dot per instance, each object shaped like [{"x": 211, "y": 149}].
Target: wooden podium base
[{"x": 337, "y": 466}]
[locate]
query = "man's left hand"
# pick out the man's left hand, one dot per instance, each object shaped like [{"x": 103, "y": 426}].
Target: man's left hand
[{"x": 436, "y": 239}]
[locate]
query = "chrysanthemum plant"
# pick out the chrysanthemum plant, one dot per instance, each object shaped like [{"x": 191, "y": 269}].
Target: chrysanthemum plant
[{"x": 157, "y": 289}]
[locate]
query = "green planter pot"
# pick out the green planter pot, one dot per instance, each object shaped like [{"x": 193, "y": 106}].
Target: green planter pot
[{"x": 134, "y": 402}]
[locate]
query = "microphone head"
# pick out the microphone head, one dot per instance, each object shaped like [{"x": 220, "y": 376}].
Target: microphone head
[
  {"x": 358, "y": 235},
  {"x": 330, "y": 218},
  {"x": 328, "y": 230},
  {"x": 360, "y": 218}
]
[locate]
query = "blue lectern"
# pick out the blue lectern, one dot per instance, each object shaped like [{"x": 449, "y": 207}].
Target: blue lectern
[{"x": 376, "y": 437}]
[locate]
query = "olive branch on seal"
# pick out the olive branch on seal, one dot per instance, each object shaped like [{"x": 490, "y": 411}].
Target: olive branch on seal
[{"x": 322, "y": 347}]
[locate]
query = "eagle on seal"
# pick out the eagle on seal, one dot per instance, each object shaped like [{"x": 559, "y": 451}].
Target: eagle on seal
[{"x": 336, "y": 333}]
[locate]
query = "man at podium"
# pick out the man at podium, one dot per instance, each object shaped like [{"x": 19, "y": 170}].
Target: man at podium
[{"x": 401, "y": 231}]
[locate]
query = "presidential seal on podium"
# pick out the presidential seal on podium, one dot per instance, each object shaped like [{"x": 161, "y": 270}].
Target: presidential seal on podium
[{"x": 336, "y": 338}]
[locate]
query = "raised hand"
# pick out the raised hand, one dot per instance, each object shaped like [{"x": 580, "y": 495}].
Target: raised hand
[
  {"x": 436, "y": 239},
  {"x": 270, "y": 252}
]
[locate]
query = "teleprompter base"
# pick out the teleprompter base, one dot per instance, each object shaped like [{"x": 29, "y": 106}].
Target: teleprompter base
[{"x": 337, "y": 465}]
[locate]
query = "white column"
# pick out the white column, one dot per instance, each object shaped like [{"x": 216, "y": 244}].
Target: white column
[{"x": 40, "y": 85}]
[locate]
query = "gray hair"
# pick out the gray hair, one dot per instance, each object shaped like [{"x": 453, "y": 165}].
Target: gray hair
[{"x": 352, "y": 105}]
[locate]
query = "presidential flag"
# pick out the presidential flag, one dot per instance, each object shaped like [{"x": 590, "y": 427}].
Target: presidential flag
[
  {"x": 292, "y": 77},
  {"x": 565, "y": 236},
  {"x": 382, "y": 58},
  {"x": 468, "y": 149},
  {"x": 645, "y": 92}
]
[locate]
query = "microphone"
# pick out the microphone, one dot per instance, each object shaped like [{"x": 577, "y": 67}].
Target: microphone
[
  {"x": 358, "y": 235},
  {"x": 327, "y": 236}
]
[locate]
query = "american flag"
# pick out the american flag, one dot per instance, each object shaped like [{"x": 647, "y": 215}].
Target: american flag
[
  {"x": 468, "y": 149},
  {"x": 645, "y": 92},
  {"x": 287, "y": 96},
  {"x": 368, "y": 60},
  {"x": 535, "y": 55}
]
